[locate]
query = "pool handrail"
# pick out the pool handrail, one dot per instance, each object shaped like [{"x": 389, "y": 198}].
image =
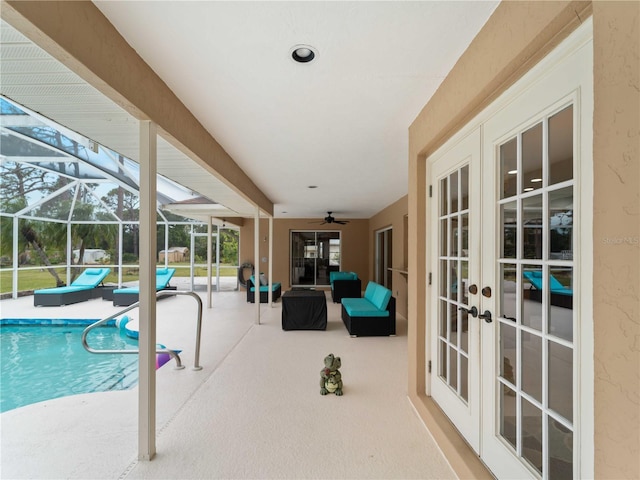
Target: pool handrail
[{"x": 172, "y": 353}]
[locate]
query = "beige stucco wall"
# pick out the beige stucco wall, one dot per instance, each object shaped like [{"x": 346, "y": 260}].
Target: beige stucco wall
[
  {"x": 616, "y": 255},
  {"x": 518, "y": 35}
]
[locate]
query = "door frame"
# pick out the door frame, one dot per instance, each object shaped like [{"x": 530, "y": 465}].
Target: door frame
[{"x": 582, "y": 37}]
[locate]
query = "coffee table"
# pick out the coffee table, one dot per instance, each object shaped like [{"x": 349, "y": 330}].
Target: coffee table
[{"x": 304, "y": 310}]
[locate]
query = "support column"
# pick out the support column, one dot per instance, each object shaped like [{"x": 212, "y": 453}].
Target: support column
[
  {"x": 209, "y": 234},
  {"x": 256, "y": 262},
  {"x": 270, "y": 261},
  {"x": 14, "y": 271},
  {"x": 147, "y": 339}
]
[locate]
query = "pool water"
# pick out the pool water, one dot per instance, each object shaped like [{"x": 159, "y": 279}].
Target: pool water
[{"x": 45, "y": 362}]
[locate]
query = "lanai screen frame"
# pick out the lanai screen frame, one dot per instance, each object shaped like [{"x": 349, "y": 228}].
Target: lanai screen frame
[{"x": 93, "y": 160}]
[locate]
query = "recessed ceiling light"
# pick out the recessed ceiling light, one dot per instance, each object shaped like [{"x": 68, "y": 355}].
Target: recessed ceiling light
[
  {"x": 312, "y": 186},
  {"x": 529, "y": 189},
  {"x": 536, "y": 180},
  {"x": 303, "y": 53},
  {"x": 512, "y": 172}
]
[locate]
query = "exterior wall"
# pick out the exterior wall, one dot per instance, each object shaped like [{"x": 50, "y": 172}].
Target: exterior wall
[
  {"x": 355, "y": 246},
  {"x": 495, "y": 60},
  {"x": 393, "y": 216},
  {"x": 616, "y": 239}
]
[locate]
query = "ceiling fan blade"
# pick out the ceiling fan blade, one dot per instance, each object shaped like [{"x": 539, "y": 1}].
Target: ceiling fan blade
[{"x": 341, "y": 222}]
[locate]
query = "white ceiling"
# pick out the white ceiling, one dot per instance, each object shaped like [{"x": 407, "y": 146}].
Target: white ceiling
[{"x": 340, "y": 122}]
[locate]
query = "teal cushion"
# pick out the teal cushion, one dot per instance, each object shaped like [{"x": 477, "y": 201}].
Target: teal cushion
[
  {"x": 342, "y": 276},
  {"x": 58, "y": 290},
  {"x": 265, "y": 288},
  {"x": 370, "y": 291},
  {"x": 360, "y": 307},
  {"x": 381, "y": 297}
]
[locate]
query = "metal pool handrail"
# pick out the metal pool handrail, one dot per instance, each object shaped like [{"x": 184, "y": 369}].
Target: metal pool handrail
[{"x": 172, "y": 353}]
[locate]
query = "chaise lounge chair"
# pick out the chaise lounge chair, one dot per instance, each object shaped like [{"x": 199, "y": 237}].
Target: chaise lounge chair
[
  {"x": 561, "y": 296},
  {"x": 80, "y": 290},
  {"x": 123, "y": 297}
]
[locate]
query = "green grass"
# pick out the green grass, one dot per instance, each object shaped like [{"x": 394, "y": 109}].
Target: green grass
[{"x": 37, "y": 279}]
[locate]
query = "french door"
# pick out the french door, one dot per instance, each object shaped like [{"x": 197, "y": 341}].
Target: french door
[{"x": 508, "y": 247}]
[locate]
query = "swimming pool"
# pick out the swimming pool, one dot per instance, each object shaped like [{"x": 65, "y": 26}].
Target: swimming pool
[{"x": 42, "y": 360}]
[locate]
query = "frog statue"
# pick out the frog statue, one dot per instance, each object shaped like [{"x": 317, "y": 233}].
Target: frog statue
[{"x": 330, "y": 378}]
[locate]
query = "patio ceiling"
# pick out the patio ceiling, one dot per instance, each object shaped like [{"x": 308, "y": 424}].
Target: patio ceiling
[{"x": 339, "y": 123}]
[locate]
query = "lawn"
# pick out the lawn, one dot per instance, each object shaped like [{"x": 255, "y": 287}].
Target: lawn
[{"x": 37, "y": 279}]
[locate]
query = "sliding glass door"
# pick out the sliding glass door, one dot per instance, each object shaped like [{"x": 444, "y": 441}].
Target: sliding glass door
[{"x": 313, "y": 256}]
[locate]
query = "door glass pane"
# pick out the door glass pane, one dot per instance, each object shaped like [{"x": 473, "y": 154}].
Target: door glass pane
[
  {"x": 444, "y": 319},
  {"x": 454, "y": 236},
  {"x": 509, "y": 221},
  {"x": 444, "y": 237},
  {"x": 561, "y": 224},
  {"x": 464, "y": 282},
  {"x": 453, "y": 324},
  {"x": 509, "y": 168},
  {"x": 443, "y": 361},
  {"x": 444, "y": 285},
  {"x": 561, "y": 379},
  {"x": 464, "y": 377},
  {"x": 464, "y": 334},
  {"x": 453, "y": 188},
  {"x": 532, "y": 284},
  {"x": 561, "y": 146},
  {"x": 532, "y": 434},
  {"x": 508, "y": 412},
  {"x": 464, "y": 188},
  {"x": 560, "y": 451},
  {"x": 509, "y": 364},
  {"x": 532, "y": 158},
  {"x": 508, "y": 306},
  {"x": 532, "y": 227},
  {"x": 531, "y": 349},
  {"x": 464, "y": 233},
  {"x": 444, "y": 197},
  {"x": 313, "y": 256},
  {"x": 453, "y": 368},
  {"x": 561, "y": 302}
]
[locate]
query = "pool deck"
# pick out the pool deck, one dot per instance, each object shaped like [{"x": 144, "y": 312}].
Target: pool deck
[{"x": 253, "y": 411}]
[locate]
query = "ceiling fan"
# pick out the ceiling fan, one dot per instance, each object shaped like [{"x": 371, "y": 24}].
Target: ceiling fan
[{"x": 330, "y": 219}]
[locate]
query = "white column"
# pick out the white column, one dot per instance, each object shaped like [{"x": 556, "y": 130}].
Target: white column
[
  {"x": 14, "y": 272},
  {"x": 120, "y": 250},
  {"x": 147, "y": 338},
  {"x": 271, "y": 261},
  {"x": 69, "y": 254},
  {"x": 217, "y": 258},
  {"x": 256, "y": 256},
  {"x": 209, "y": 233}
]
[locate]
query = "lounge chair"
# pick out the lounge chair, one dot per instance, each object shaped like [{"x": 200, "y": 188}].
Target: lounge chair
[
  {"x": 276, "y": 288},
  {"x": 123, "y": 297},
  {"x": 80, "y": 290},
  {"x": 561, "y": 296}
]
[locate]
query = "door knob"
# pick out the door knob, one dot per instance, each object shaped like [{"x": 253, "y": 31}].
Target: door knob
[
  {"x": 473, "y": 311},
  {"x": 486, "y": 316}
]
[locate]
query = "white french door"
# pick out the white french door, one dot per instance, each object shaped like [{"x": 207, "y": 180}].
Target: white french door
[
  {"x": 455, "y": 213},
  {"x": 509, "y": 256}
]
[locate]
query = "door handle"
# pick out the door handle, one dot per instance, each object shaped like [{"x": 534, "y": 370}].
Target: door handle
[
  {"x": 486, "y": 316},
  {"x": 473, "y": 311}
]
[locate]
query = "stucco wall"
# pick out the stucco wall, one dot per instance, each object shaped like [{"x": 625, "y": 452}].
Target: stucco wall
[
  {"x": 616, "y": 255},
  {"x": 515, "y": 38}
]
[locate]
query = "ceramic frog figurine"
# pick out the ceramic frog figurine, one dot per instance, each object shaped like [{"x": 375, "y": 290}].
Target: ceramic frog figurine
[{"x": 330, "y": 377}]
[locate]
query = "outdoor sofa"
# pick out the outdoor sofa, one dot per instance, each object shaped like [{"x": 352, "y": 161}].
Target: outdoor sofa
[
  {"x": 561, "y": 296},
  {"x": 123, "y": 297},
  {"x": 264, "y": 290},
  {"x": 80, "y": 290},
  {"x": 344, "y": 285},
  {"x": 372, "y": 315}
]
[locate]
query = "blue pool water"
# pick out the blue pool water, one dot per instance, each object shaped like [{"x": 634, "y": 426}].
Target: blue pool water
[{"x": 42, "y": 362}]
